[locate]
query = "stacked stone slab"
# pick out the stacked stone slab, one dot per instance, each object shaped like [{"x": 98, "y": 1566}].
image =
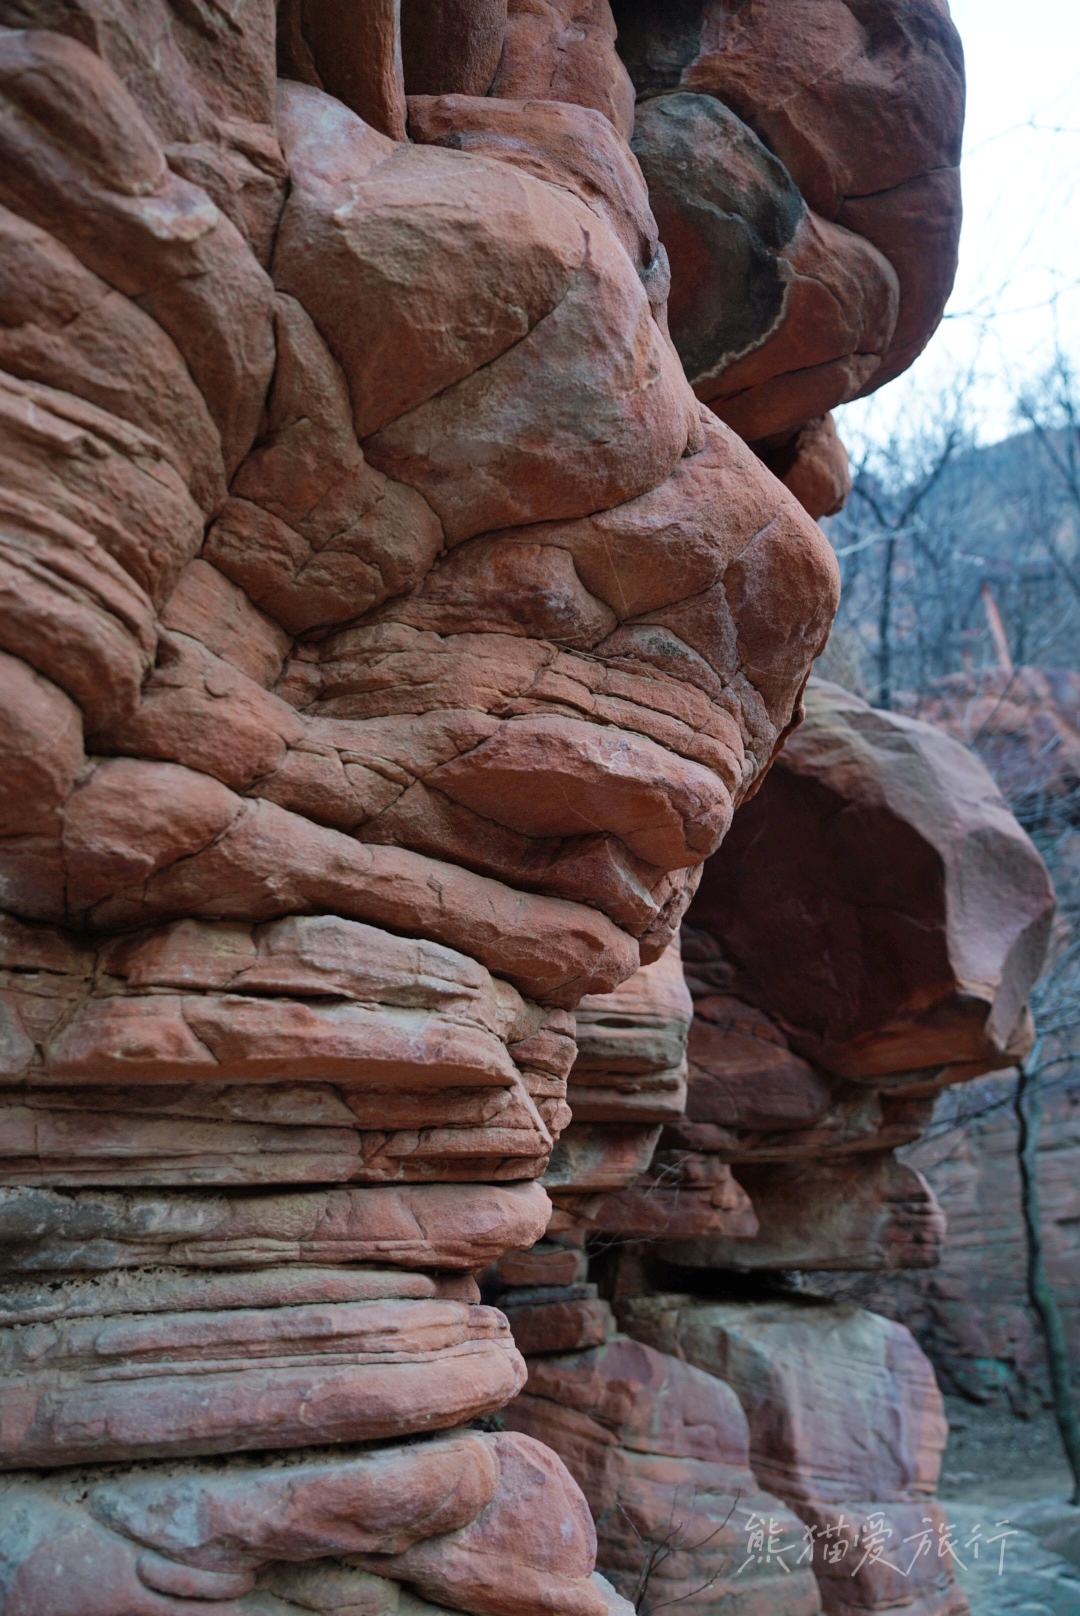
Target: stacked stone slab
[
  {"x": 881, "y": 949},
  {"x": 629, "y": 1081},
  {"x": 867, "y": 935},
  {"x": 972, "y": 1314},
  {"x": 350, "y": 485},
  {"x": 662, "y": 1450},
  {"x": 845, "y": 1425},
  {"x": 389, "y": 632}
]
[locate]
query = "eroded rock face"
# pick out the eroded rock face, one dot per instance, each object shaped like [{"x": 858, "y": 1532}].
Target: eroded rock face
[
  {"x": 388, "y": 636},
  {"x": 661, "y": 1449},
  {"x": 932, "y": 908},
  {"x": 867, "y": 936},
  {"x": 444, "y": 1514},
  {"x": 818, "y": 1044},
  {"x": 845, "y": 1425},
  {"x": 972, "y": 1314},
  {"x": 840, "y": 228}
]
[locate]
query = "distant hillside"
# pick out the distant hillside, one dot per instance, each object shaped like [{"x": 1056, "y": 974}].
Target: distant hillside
[
  {"x": 946, "y": 570},
  {"x": 1005, "y": 491}
]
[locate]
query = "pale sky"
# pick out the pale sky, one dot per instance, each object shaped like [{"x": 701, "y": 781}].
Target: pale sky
[{"x": 1018, "y": 287}]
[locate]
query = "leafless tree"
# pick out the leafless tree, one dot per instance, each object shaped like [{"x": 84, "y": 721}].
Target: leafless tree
[
  {"x": 953, "y": 554},
  {"x": 1051, "y": 408},
  {"x": 656, "y": 1551}
]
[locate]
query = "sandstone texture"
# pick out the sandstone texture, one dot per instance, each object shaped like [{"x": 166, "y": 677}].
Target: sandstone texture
[
  {"x": 407, "y": 570},
  {"x": 877, "y": 947},
  {"x": 937, "y": 845},
  {"x": 972, "y": 1314},
  {"x": 661, "y": 1449},
  {"x": 776, "y": 1455},
  {"x": 808, "y": 1064},
  {"x": 361, "y": 717},
  {"x": 806, "y": 155},
  {"x": 845, "y": 1425},
  {"x": 866, "y": 937}
]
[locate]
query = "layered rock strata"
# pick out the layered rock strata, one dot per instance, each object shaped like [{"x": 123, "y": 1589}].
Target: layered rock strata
[
  {"x": 776, "y": 1455},
  {"x": 628, "y": 1081},
  {"x": 389, "y": 632},
  {"x": 662, "y": 1450},
  {"x": 388, "y": 636},
  {"x": 972, "y": 1313},
  {"x": 866, "y": 937}
]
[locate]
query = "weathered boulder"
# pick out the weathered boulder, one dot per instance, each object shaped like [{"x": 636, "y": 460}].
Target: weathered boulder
[
  {"x": 532, "y": 1548},
  {"x": 813, "y": 464},
  {"x": 675, "y": 1195},
  {"x": 450, "y": 48},
  {"x": 845, "y": 1425},
  {"x": 444, "y": 1227},
  {"x": 825, "y": 1019},
  {"x": 661, "y": 1450},
  {"x": 558, "y": 1318},
  {"x": 853, "y": 112},
  {"x": 931, "y": 912},
  {"x": 629, "y": 1077},
  {"x": 191, "y": 1379},
  {"x": 571, "y": 146}
]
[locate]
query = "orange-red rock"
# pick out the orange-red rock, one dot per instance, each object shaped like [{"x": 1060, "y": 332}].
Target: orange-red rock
[
  {"x": 661, "y": 1449},
  {"x": 631, "y": 1047},
  {"x": 953, "y": 957},
  {"x": 853, "y": 113},
  {"x": 532, "y": 1548},
  {"x": 771, "y": 306},
  {"x": 564, "y": 50},
  {"x": 389, "y": 637},
  {"x": 972, "y": 1314},
  {"x": 846, "y": 1426},
  {"x": 437, "y": 1510},
  {"x": 813, "y": 464},
  {"x": 167, "y": 1384},
  {"x": 355, "y": 54},
  {"x": 572, "y": 146},
  {"x": 438, "y": 1226}
]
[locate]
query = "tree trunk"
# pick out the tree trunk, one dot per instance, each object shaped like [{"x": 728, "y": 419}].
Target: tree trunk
[
  {"x": 1028, "y": 1110},
  {"x": 885, "y": 627}
]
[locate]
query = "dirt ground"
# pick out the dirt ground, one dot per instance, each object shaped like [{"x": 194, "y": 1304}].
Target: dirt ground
[
  {"x": 1001, "y": 1469},
  {"x": 994, "y": 1457}
]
